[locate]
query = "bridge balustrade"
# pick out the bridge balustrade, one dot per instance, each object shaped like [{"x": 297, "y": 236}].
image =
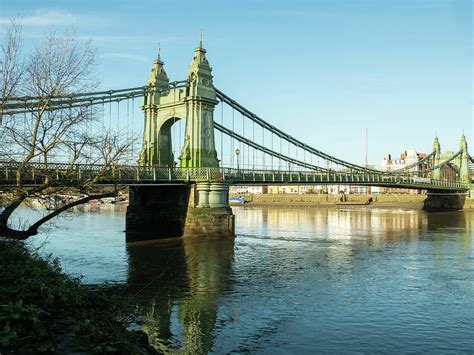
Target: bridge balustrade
[{"x": 36, "y": 173}]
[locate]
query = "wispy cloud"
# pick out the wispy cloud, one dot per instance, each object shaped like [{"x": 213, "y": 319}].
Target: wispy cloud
[
  {"x": 126, "y": 56},
  {"x": 31, "y": 34},
  {"x": 133, "y": 38},
  {"x": 51, "y": 17}
]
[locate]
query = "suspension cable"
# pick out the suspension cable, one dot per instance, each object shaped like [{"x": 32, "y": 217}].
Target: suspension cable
[
  {"x": 263, "y": 149},
  {"x": 221, "y": 96},
  {"x": 447, "y": 161}
]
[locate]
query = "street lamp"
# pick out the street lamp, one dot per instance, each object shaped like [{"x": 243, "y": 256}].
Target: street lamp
[{"x": 237, "y": 152}]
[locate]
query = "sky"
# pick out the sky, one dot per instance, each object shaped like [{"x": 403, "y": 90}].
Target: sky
[{"x": 323, "y": 71}]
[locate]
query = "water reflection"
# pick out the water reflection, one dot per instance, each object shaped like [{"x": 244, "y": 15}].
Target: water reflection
[
  {"x": 182, "y": 279},
  {"x": 371, "y": 225}
]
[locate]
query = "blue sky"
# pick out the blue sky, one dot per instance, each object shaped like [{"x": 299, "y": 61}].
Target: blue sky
[{"x": 321, "y": 70}]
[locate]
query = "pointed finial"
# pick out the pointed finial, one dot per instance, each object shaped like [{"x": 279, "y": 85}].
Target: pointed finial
[
  {"x": 436, "y": 145},
  {"x": 200, "y": 39},
  {"x": 463, "y": 142},
  {"x": 159, "y": 49}
]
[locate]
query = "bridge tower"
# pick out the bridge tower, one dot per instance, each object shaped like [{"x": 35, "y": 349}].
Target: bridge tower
[
  {"x": 439, "y": 200},
  {"x": 197, "y": 208},
  {"x": 200, "y": 102},
  {"x": 437, "y": 159},
  {"x": 464, "y": 162},
  {"x": 194, "y": 103},
  {"x": 156, "y": 148}
]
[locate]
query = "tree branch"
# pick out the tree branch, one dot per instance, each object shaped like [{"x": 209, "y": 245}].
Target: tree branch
[{"x": 33, "y": 229}]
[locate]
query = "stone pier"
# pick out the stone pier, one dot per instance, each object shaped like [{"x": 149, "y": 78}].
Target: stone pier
[
  {"x": 209, "y": 214},
  {"x": 184, "y": 210},
  {"x": 444, "y": 201}
]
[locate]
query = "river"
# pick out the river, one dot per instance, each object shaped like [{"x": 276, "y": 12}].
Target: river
[{"x": 294, "y": 280}]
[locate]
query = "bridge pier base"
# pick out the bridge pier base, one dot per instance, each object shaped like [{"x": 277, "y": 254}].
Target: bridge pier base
[
  {"x": 209, "y": 215},
  {"x": 190, "y": 210},
  {"x": 444, "y": 201}
]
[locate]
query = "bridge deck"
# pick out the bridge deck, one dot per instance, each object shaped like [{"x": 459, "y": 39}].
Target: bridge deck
[{"x": 64, "y": 174}]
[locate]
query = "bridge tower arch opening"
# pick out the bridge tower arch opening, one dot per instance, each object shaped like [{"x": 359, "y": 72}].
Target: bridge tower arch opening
[
  {"x": 165, "y": 155},
  {"x": 193, "y": 103}
]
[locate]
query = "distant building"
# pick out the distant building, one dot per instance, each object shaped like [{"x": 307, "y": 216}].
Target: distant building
[
  {"x": 249, "y": 190},
  {"x": 407, "y": 158},
  {"x": 299, "y": 189}
]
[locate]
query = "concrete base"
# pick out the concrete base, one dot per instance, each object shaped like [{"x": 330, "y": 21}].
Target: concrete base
[
  {"x": 190, "y": 211},
  {"x": 442, "y": 201},
  {"x": 215, "y": 222},
  {"x": 209, "y": 214}
]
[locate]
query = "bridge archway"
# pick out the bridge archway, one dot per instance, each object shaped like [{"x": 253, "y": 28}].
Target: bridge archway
[
  {"x": 449, "y": 172},
  {"x": 166, "y": 156}
]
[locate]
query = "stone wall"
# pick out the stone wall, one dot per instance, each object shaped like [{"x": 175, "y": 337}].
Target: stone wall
[
  {"x": 331, "y": 199},
  {"x": 444, "y": 201},
  {"x": 316, "y": 199},
  {"x": 209, "y": 223}
]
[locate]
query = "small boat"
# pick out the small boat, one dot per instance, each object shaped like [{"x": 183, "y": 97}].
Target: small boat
[{"x": 236, "y": 200}]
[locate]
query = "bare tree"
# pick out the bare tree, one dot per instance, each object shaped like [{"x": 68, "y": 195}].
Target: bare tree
[
  {"x": 11, "y": 66},
  {"x": 59, "y": 65}
]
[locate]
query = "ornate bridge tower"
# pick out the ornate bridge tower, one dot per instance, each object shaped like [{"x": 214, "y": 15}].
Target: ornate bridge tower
[
  {"x": 437, "y": 158},
  {"x": 193, "y": 103},
  {"x": 439, "y": 200},
  {"x": 460, "y": 164},
  {"x": 464, "y": 162},
  {"x": 197, "y": 209}
]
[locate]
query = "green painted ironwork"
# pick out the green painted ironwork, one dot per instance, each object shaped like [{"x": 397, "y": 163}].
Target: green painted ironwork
[
  {"x": 193, "y": 104},
  {"x": 57, "y": 174},
  {"x": 193, "y": 100}
]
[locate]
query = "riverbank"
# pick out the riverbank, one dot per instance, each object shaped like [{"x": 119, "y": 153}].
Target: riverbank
[
  {"x": 315, "y": 200},
  {"x": 44, "y": 310}
]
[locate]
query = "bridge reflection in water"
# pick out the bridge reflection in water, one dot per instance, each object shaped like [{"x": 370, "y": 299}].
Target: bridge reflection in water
[
  {"x": 177, "y": 284},
  {"x": 291, "y": 266}
]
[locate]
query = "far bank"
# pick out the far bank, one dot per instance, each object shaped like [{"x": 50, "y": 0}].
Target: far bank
[{"x": 330, "y": 200}]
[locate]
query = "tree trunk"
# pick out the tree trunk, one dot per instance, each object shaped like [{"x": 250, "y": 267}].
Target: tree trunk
[{"x": 10, "y": 233}]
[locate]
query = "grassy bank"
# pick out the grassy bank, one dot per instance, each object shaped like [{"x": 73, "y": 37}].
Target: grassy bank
[
  {"x": 385, "y": 200},
  {"x": 44, "y": 310}
]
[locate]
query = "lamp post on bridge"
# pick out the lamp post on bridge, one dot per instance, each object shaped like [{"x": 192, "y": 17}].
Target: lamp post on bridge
[{"x": 237, "y": 153}]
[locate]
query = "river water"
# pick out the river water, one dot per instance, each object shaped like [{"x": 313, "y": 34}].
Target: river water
[{"x": 294, "y": 280}]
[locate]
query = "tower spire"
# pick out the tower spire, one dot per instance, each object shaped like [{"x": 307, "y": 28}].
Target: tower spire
[
  {"x": 200, "y": 38},
  {"x": 157, "y": 76},
  {"x": 436, "y": 145},
  {"x": 463, "y": 141}
]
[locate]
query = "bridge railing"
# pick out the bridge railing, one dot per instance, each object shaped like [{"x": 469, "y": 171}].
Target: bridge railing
[{"x": 63, "y": 173}]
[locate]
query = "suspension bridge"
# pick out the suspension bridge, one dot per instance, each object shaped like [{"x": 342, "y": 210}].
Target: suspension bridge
[{"x": 196, "y": 141}]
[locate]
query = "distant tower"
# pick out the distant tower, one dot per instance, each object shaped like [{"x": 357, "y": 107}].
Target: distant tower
[
  {"x": 464, "y": 162},
  {"x": 436, "y": 158}
]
